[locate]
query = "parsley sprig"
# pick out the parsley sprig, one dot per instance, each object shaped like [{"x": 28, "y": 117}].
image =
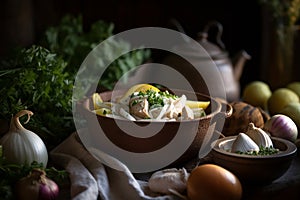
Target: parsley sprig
[
  {"x": 263, "y": 151},
  {"x": 154, "y": 98}
]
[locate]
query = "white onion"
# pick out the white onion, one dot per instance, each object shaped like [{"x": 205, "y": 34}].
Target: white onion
[
  {"x": 282, "y": 126},
  {"x": 22, "y": 146}
]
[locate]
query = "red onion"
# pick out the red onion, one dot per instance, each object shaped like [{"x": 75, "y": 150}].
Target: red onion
[
  {"x": 36, "y": 186},
  {"x": 282, "y": 126}
]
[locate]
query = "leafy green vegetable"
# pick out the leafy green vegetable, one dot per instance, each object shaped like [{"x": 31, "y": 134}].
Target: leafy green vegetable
[
  {"x": 71, "y": 42},
  {"x": 36, "y": 80},
  {"x": 40, "y": 78}
]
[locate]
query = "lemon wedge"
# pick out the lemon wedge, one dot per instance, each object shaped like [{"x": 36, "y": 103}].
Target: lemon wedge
[
  {"x": 197, "y": 104},
  {"x": 143, "y": 87},
  {"x": 102, "y": 111},
  {"x": 97, "y": 100}
]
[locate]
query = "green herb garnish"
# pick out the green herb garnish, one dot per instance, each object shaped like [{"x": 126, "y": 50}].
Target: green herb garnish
[
  {"x": 134, "y": 102},
  {"x": 263, "y": 151},
  {"x": 155, "y": 99}
]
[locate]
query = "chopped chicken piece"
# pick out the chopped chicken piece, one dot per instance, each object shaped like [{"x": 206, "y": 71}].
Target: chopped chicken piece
[
  {"x": 139, "y": 106},
  {"x": 187, "y": 113}
]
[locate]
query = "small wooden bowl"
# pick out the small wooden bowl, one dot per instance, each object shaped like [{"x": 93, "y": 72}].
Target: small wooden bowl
[{"x": 254, "y": 169}]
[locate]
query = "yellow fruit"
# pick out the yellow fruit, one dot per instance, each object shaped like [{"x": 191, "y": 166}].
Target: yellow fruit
[
  {"x": 295, "y": 87},
  {"x": 292, "y": 110},
  {"x": 197, "y": 104},
  {"x": 102, "y": 111},
  {"x": 280, "y": 98},
  {"x": 257, "y": 94},
  {"x": 143, "y": 87},
  {"x": 209, "y": 181},
  {"x": 97, "y": 100}
]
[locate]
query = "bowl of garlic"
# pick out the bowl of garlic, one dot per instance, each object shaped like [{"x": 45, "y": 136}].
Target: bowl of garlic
[{"x": 254, "y": 156}]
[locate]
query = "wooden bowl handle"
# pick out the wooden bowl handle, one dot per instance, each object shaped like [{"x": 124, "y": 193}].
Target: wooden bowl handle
[{"x": 228, "y": 108}]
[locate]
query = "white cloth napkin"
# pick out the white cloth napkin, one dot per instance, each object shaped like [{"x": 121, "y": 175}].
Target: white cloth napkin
[{"x": 92, "y": 180}]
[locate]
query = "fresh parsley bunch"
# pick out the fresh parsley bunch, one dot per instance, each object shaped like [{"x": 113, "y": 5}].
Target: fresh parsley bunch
[
  {"x": 70, "y": 41},
  {"x": 40, "y": 78},
  {"x": 36, "y": 80}
]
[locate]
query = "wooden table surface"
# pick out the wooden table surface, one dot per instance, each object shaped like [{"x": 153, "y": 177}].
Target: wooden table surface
[{"x": 286, "y": 187}]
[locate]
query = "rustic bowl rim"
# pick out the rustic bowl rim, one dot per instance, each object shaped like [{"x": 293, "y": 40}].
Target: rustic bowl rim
[
  {"x": 291, "y": 149},
  {"x": 86, "y": 103}
]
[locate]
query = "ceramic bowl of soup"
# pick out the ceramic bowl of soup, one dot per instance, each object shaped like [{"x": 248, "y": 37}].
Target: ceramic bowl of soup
[{"x": 146, "y": 137}]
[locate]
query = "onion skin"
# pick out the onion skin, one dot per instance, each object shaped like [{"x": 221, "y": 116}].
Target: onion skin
[
  {"x": 282, "y": 126},
  {"x": 22, "y": 146},
  {"x": 48, "y": 191},
  {"x": 36, "y": 186}
]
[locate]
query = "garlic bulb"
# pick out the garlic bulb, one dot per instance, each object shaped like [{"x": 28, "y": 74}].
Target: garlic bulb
[
  {"x": 21, "y": 146},
  {"x": 243, "y": 143},
  {"x": 168, "y": 180},
  {"x": 259, "y": 136}
]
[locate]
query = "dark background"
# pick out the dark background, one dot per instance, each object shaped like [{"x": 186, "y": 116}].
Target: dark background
[{"x": 24, "y": 21}]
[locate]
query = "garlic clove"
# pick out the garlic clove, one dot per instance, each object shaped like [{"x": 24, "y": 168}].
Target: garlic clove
[
  {"x": 259, "y": 136},
  {"x": 243, "y": 143},
  {"x": 168, "y": 180}
]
